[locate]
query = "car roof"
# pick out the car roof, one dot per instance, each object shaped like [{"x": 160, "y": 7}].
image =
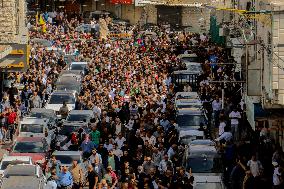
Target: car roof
[
  {"x": 184, "y": 72},
  {"x": 67, "y": 80},
  {"x": 20, "y": 182},
  {"x": 192, "y": 63},
  {"x": 58, "y": 153},
  {"x": 206, "y": 142},
  {"x": 73, "y": 124},
  {"x": 77, "y": 72},
  {"x": 33, "y": 120},
  {"x": 202, "y": 149},
  {"x": 191, "y": 132},
  {"x": 81, "y": 112},
  {"x": 30, "y": 139},
  {"x": 187, "y": 55},
  {"x": 20, "y": 168},
  {"x": 42, "y": 110},
  {"x": 79, "y": 63},
  {"x": 190, "y": 111},
  {"x": 62, "y": 93},
  {"x": 188, "y": 101},
  {"x": 16, "y": 158},
  {"x": 184, "y": 94}
]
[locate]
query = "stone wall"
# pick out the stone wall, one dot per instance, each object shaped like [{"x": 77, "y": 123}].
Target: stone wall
[{"x": 7, "y": 21}]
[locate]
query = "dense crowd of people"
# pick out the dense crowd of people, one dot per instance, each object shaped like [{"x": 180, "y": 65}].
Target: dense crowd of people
[{"x": 129, "y": 86}]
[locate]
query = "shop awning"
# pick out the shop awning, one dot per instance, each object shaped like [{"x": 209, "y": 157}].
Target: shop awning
[
  {"x": 5, "y": 50},
  {"x": 5, "y": 62}
]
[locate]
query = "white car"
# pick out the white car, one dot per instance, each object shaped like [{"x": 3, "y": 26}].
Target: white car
[
  {"x": 35, "y": 127},
  {"x": 188, "y": 58},
  {"x": 81, "y": 66},
  {"x": 23, "y": 176},
  {"x": 190, "y": 119},
  {"x": 206, "y": 165},
  {"x": 57, "y": 98},
  {"x": 14, "y": 160}
]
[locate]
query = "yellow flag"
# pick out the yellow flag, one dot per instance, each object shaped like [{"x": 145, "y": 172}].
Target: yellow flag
[
  {"x": 41, "y": 21},
  {"x": 43, "y": 28}
]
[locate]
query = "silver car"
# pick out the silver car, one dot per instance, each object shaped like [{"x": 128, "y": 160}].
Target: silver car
[{"x": 23, "y": 177}]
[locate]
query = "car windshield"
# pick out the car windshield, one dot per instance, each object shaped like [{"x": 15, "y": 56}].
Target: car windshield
[
  {"x": 6, "y": 163},
  {"x": 189, "y": 106},
  {"x": 208, "y": 186},
  {"x": 42, "y": 115},
  {"x": 29, "y": 147},
  {"x": 67, "y": 130},
  {"x": 32, "y": 128},
  {"x": 59, "y": 99},
  {"x": 78, "y": 66},
  {"x": 68, "y": 159},
  {"x": 78, "y": 117},
  {"x": 190, "y": 59},
  {"x": 190, "y": 120},
  {"x": 69, "y": 87},
  {"x": 205, "y": 163}
]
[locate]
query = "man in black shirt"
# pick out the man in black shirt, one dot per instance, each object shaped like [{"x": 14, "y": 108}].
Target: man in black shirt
[{"x": 92, "y": 177}]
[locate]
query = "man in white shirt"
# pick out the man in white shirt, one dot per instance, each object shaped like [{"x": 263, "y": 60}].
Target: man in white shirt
[
  {"x": 216, "y": 106},
  {"x": 235, "y": 116},
  {"x": 254, "y": 166},
  {"x": 276, "y": 175},
  {"x": 225, "y": 136},
  {"x": 165, "y": 164},
  {"x": 222, "y": 126},
  {"x": 119, "y": 140}
]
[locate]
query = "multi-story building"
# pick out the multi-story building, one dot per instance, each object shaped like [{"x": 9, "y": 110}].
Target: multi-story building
[{"x": 257, "y": 41}]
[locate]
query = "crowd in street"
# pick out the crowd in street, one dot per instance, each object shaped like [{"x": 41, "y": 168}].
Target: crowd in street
[{"x": 128, "y": 85}]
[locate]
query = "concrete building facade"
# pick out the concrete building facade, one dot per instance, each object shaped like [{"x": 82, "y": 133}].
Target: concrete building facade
[{"x": 258, "y": 41}]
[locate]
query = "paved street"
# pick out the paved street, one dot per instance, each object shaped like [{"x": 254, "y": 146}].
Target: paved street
[{"x": 142, "y": 94}]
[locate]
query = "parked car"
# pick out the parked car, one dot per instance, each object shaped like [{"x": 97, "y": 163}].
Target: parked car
[
  {"x": 188, "y": 58},
  {"x": 69, "y": 85},
  {"x": 187, "y": 136},
  {"x": 183, "y": 77},
  {"x": 191, "y": 119},
  {"x": 35, "y": 127},
  {"x": 35, "y": 147},
  {"x": 80, "y": 66},
  {"x": 13, "y": 160},
  {"x": 66, "y": 158},
  {"x": 206, "y": 165},
  {"x": 187, "y": 100},
  {"x": 23, "y": 176},
  {"x": 83, "y": 116},
  {"x": 70, "y": 74},
  {"x": 58, "y": 97},
  {"x": 44, "y": 113},
  {"x": 64, "y": 134}
]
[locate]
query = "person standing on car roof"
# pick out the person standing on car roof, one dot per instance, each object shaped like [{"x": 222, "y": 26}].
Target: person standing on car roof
[{"x": 63, "y": 111}]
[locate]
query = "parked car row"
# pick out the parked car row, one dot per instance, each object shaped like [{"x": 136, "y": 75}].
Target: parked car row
[
  {"x": 42, "y": 134},
  {"x": 201, "y": 155}
]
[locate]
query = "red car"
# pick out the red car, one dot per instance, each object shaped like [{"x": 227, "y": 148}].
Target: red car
[{"x": 35, "y": 147}]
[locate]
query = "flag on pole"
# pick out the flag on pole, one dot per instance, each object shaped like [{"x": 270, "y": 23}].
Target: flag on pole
[{"x": 41, "y": 21}]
